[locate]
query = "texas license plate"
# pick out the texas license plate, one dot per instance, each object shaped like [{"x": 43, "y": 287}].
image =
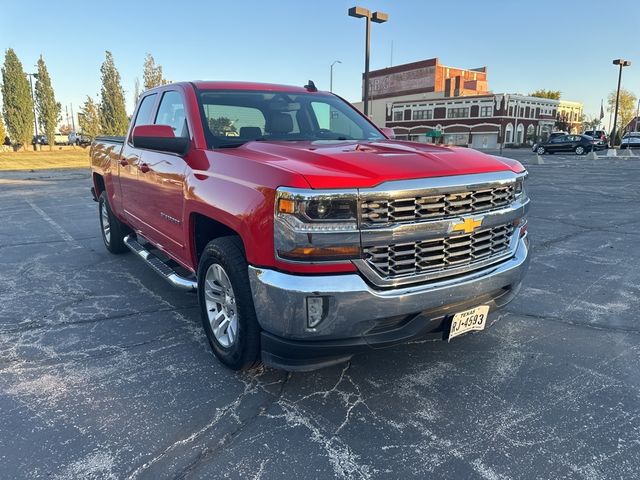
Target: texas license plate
[{"x": 474, "y": 319}]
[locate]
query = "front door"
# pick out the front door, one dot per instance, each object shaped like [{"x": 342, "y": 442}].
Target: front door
[
  {"x": 129, "y": 165},
  {"x": 161, "y": 182}
]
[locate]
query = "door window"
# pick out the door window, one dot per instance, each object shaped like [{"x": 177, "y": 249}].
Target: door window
[
  {"x": 144, "y": 112},
  {"x": 171, "y": 112}
]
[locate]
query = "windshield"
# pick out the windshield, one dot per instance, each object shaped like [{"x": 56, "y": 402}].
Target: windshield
[{"x": 234, "y": 117}]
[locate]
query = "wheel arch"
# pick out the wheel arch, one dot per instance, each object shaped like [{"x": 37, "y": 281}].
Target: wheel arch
[
  {"x": 203, "y": 229},
  {"x": 98, "y": 184}
]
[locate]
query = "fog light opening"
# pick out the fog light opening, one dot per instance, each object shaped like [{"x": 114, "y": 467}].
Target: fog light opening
[{"x": 315, "y": 311}]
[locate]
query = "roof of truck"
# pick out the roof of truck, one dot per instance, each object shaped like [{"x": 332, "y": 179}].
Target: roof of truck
[{"x": 228, "y": 85}]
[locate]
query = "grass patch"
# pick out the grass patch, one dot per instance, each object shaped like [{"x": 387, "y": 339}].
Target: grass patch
[{"x": 45, "y": 159}]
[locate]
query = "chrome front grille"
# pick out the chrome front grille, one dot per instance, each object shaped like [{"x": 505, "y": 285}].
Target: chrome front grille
[
  {"x": 440, "y": 254},
  {"x": 415, "y": 208}
]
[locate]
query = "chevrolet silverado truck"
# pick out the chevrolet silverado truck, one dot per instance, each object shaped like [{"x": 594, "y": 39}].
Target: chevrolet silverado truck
[{"x": 308, "y": 233}]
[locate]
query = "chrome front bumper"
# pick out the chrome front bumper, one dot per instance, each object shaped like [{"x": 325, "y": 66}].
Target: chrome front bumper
[{"x": 353, "y": 308}]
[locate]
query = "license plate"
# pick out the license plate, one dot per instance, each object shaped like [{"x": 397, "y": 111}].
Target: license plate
[{"x": 474, "y": 319}]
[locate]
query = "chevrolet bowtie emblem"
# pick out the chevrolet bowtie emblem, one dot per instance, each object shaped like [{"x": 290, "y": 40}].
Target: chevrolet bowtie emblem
[{"x": 467, "y": 226}]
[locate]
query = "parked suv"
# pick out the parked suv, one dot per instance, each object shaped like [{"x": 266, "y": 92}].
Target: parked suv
[{"x": 599, "y": 135}]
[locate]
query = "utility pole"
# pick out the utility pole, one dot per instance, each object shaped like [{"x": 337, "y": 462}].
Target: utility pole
[
  {"x": 33, "y": 101},
  {"x": 73, "y": 121}
]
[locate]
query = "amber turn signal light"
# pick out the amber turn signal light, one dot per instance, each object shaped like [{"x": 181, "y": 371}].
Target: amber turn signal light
[
  {"x": 286, "y": 205},
  {"x": 321, "y": 253}
]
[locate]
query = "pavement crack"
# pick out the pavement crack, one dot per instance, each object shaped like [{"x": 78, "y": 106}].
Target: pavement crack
[
  {"x": 591, "y": 326},
  {"x": 33, "y": 326},
  {"x": 209, "y": 452},
  {"x": 229, "y": 410}
]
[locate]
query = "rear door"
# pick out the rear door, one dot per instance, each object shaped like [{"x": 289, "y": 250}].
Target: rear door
[
  {"x": 161, "y": 181},
  {"x": 130, "y": 162},
  {"x": 556, "y": 143}
]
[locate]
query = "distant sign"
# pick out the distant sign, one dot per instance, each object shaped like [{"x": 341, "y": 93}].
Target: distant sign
[{"x": 409, "y": 81}]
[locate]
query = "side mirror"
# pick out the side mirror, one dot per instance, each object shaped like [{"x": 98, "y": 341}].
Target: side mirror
[
  {"x": 388, "y": 132},
  {"x": 159, "y": 137}
]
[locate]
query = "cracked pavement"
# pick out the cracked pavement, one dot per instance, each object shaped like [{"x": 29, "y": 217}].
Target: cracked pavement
[{"x": 105, "y": 372}]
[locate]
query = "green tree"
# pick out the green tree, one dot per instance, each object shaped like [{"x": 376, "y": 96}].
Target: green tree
[
  {"x": 89, "y": 119},
  {"x": 17, "y": 105},
  {"x": 222, "y": 126},
  {"x": 3, "y": 132},
  {"x": 46, "y": 106},
  {"x": 113, "y": 114},
  {"x": 626, "y": 108},
  {"x": 152, "y": 73},
  {"x": 550, "y": 94}
]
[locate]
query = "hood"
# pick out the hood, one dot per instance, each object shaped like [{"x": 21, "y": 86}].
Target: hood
[{"x": 340, "y": 164}]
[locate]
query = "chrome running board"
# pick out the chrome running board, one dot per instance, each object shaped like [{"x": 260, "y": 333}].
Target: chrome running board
[{"x": 161, "y": 268}]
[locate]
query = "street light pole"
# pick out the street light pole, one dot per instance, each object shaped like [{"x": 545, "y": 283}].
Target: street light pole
[
  {"x": 377, "y": 17},
  {"x": 33, "y": 101},
  {"x": 331, "y": 75},
  {"x": 622, "y": 63}
]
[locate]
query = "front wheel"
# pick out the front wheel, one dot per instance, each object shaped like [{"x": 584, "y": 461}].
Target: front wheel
[
  {"x": 579, "y": 150},
  {"x": 540, "y": 151},
  {"x": 113, "y": 230},
  {"x": 226, "y": 304}
]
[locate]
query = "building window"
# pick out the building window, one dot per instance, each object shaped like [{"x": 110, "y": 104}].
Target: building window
[
  {"x": 486, "y": 111},
  {"x": 398, "y": 116},
  {"x": 462, "y": 112},
  {"x": 422, "y": 114}
]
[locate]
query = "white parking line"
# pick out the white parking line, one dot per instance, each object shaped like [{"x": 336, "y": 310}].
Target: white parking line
[{"x": 61, "y": 231}]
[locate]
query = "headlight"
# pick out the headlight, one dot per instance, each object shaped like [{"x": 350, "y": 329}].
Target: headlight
[
  {"x": 318, "y": 208},
  {"x": 520, "y": 191},
  {"x": 311, "y": 225}
]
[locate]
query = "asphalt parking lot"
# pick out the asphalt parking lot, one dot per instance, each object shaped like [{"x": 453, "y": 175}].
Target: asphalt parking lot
[{"x": 105, "y": 372}]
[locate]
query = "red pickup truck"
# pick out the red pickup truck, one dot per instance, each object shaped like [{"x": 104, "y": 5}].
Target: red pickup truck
[{"x": 308, "y": 233}]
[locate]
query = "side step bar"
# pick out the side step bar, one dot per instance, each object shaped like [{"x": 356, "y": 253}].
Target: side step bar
[{"x": 159, "y": 266}]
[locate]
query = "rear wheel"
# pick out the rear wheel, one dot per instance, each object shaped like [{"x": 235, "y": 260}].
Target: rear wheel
[
  {"x": 579, "y": 150},
  {"x": 226, "y": 304},
  {"x": 113, "y": 230},
  {"x": 540, "y": 151}
]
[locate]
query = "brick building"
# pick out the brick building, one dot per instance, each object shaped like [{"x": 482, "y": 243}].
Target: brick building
[
  {"x": 418, "y": 81},
  {"x": 480, "y": 121},
  {"x": 427, "y": 101}
]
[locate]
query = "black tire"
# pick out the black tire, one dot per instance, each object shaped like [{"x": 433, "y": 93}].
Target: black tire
[
  {"x": 244, "y": 352},
  {"x": 114, "y": 240},
  {"x": 541, "y": 151},
  {"x": 580, "y": 150}
]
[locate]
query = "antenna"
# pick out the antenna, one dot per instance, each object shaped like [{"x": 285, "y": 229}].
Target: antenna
[
  {"x": 391, "y": 59},
  {"x": 311, "y": 87}
]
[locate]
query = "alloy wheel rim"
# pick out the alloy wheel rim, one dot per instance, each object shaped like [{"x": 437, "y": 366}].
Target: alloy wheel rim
[
  {"x": 220, "y": 301},
  {"x": 106, "y": 226},
  {"x": 579, "y": 150}
]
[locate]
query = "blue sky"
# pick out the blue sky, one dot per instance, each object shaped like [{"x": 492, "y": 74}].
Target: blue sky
[{"x": 564, "y": 45}]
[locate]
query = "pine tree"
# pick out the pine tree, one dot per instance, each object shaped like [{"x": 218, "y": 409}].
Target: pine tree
[
  {"x": 89, "y": 119},
  {"x": 46, "y": 106},
  {"x": 152, "y": 73},
  {"x": 113, "y": 114},
  {"x": 17, "y": 101}
]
